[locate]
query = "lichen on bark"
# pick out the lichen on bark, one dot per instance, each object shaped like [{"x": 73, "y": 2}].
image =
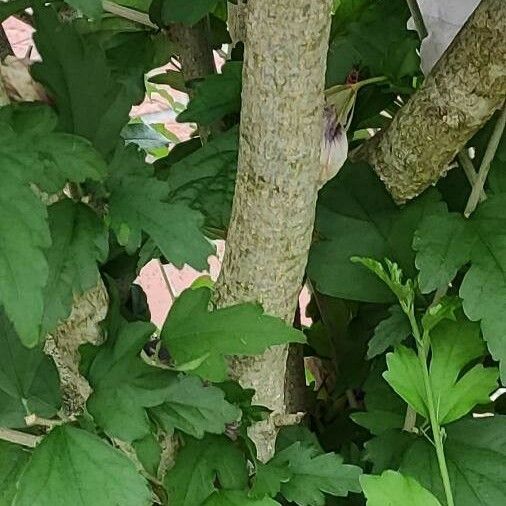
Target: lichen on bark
[
  {"x": 277, "y": 180},
  {"x": 82, "y": 326},
  {"x": 463, "y": 91}
]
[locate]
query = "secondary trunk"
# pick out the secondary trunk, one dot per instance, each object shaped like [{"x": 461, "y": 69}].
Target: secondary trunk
[
  {"x": 462, "y": 92},
  {"x": 5, "y": 46},
  {"x": 194, "y": 50},
  {"x": 278, "y": 172},
  {"x": 236, "y": 21}
]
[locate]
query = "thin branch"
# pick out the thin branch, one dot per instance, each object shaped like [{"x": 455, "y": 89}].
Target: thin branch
[
  {"x": 167, "y": 281},
  {"x": 418, "y": 18},
  {"x": 409, "y": 419},
  {"x": 493, "y": 144},
  {"x": 470, "y": 171},
  {"x": 19, "y": 438},
  {"x": 131, "y": 14},
  {"x": 32, "y": 420}
]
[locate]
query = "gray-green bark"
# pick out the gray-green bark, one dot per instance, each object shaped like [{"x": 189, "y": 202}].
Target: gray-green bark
[
  {"x": 277, "y": 180},
  {"x": 460, "y": 95}
]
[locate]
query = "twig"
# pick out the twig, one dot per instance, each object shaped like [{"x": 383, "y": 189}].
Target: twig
[
  {"x": 418, "y": 19},
  {"x": 131, "y": 14},
  {"x": 409, "y": 419},
  {"x": 20, "y": 438},
  {"x": 32, "y": 420},
  {"x": 493, "y": 144},
  {"x": 352, "y": 400},
  {"x": 167, "y": 281},
  {"x": 470, "y": 171}
]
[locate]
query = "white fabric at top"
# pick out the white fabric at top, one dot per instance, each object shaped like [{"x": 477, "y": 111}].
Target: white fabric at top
[{"x": 443, "y": 19}]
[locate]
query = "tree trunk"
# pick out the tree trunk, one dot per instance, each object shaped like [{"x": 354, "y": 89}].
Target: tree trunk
[
  {"x": 277, "y": 180},
  {"x": 5, "y": 46},
  {"x": 195, "y": 52},
  {"x": 236, "y": 21},
  {"x": 460, "y": 95}
]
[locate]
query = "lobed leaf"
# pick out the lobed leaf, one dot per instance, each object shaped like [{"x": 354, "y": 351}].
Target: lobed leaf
[
  {"x": 192, "y": 332},
  {"x": 201, "y": 466},
  {"x": 140, "y": 202},
  {"x": 29, "y": 382},
  {"x": 215, "y": 97},
  {"x": 394, "y": 489},
  {"x": 445, "y": 242},
  {"x": 34, "y": 158},
  {"x": 79, "y": 243},
  {"x": 64, "y": 470},
  {"x": 456, "y": 390}
]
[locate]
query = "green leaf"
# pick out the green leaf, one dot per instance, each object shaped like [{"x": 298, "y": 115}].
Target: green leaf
[
  {"x": 91, "y": 8},
  {"x": 205, "y": 179},
  {"x": 386, "y": 450},
  {"x": 182, "y": 11},
  {"x": 172, "y": 78},
  {"x": 149, "y": 453},
  {"x": 13, "y": 459},
  {"x": 29, "y": 381},
  {"x": 394, "y": 489},
  {"x": 443, "y": 246},
  {"x": 237, "y": 498},
  {"x": 194, "y": 408},
  {"x": 385, "y": 409},
  {"x": 269, "y": 478},
  {"x": 475, "y": 451},
  {"x": 390, "y": 332},
  {"x": 313, "y": 474},
  {"x": 243, "y": 399},
  {"x": 138, "y": 202},
  {"x": 79, "y": 241},
  {"x": 291, "y": 434},
  {"x": 64, "y": 470},
  {"x": 56, "y": 158},
  {"x": 373, "y": 36},
  {"x": 215, "y": 97},
  {"x": 214, "y": 157},
  {"x": 405, "y": 376},
  {"x": 392, "y": 276},
  {"x": 14, "y": 6},
  {"x": 191, "y": 331},
  {"x": 90, "y": 101},
  {"x": 483, "y": 289},
  {"x": 33, "y": 155},
  {"x": 123, "y": 384},
  {"x": 444, "y": 309},
  {"x": 144, "y": 136},
  {"x": 480, "y": 240},
  {"x": 357, "y": 217},
  {"x": 454, "y": 345},
  {"x": 203, "y": 464}
]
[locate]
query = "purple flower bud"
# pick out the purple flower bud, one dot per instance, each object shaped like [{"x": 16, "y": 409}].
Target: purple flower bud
[{"x": 334, "y": 149}]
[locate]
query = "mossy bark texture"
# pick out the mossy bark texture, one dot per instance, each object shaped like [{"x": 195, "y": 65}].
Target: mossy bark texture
[
  {"x": 277, "y": 181},
  {"x": 460, "y": 95}
]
